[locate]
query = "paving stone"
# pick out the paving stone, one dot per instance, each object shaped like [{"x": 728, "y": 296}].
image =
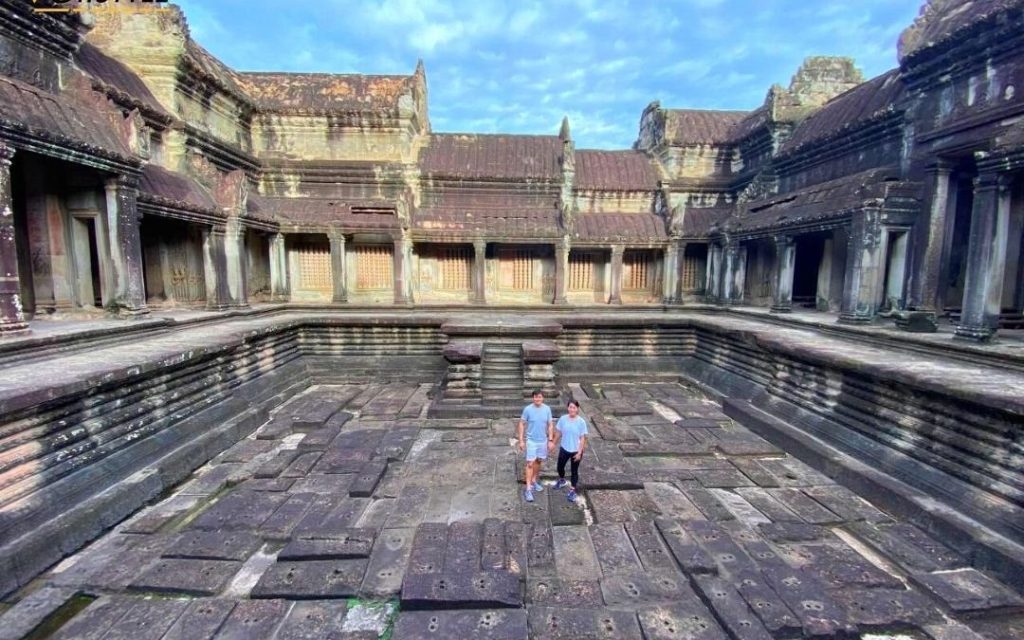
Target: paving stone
[
  {"x": 622, "y": 480},
  {"x": 846, "y": 504},
  {"x": 275, "y": 466},
  {"x": 162, "y": 515},
  {"x": 190, "y": 577},
  {"x": 747, "y": 445},
  {"x": 396, "y": 443},
  {"x": 838, "y": 566},
  {"x": 886, "y": 609},
  {"x": 560, "y": 592},
  {"x": 810, "y": 602},
  {"x": 321, "y": 619},
  {"x": 707, "y": 503},
  {"x": 93, "y": 622},
  {"x": 466, "y": 590},
  {"x": 209, "y": 480},
  {"x": 390, "y": 486},
  {"x": 563, "y": 512},
  {"x": 470, "y": 502},
  {"x": 318, "y": 439},
  {"x": 795, "y": 532},
  {"x": 540, "y": 553},
  {"x": 613, "y": 548},
  {"x": 493, "y": 553},
  {"x": 730, "y": 608},
  {"x": 610, "y": 506},
  {"x": 278, "y": 527},
  {"x": 343, "y": 545},
  {"x": 311, "y": 580},
  {"x": 505, "y": 503},
  {"x": 266, "y": 484},
  {"x": 201, "y": 619},
  {"x": 701, "y": 423},
  {"x": 767, "y": 505},
  {"x": 409, "y": 508},
  {"x": 808, "y": 509},
  {"x": 213, "y": 545},
  {"x": 21, "y": 619},
  {"x": 753, "y": 469},
  {"x": 908, "y": 546},
  {"x": 301, "y": 465},
  {"x": 721, "y": 478},
  {"x": 244, "y": 451},
  {"x": 968, "y": 591},
  {"x": 388, "y": 560},
  {"x": 517, "y": 537},
  {"x": 638, "y": 588},
  {"x": 537, "y": 512},
  {"x": 253, "y": 619},
  {"x": 485, "y": 624},
  {"x": 688, "y": 447},
  {"x": 462, "y": 553},
  {"x": 343, "y": 515},
  {"x": 146, "y": 620},
  {"x": 239, "y": 511},
  {"x": 729, "y": 556},
  {"x": 366, "y": 479},
  {"x": 646, "y": 540},
  {"x": 769, "y": 608},
  {"x": 332, "y": 484},
  {"x": 671, "y": 501},
  {"x": 311, "y": 412},
  {"x": 743, "y": 510},
  {"x": 574, "y": 553},
  {"x": 684, "y": 548},
  {"x": 429, "y": 545},
  {"x": 110, "y": 566},
  {"x": 952, "y": 631},
  {"x": 557, "y": 623},
  {"x": 689, "y": 619},
  {"x": 343, "y": 460}
]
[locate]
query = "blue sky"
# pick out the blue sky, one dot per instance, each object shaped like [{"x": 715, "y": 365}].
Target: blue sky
[{"x": 518, "y": 67}]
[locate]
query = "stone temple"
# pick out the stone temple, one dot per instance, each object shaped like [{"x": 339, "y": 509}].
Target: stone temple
[{"x": 266, "y": 338}]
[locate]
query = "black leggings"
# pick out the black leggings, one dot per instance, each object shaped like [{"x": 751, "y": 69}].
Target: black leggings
[{"x": 563, "y": 457}]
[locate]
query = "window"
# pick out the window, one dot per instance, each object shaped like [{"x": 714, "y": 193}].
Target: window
[
  {"x": 374, "y": 267},
  {"x": 637, "y": 270},
  {"x": 453, "y": 265},
  {"x": 581, "y": 270},
  {"x": 516, "y": 269},
  {"x": 314, "y": 267}
]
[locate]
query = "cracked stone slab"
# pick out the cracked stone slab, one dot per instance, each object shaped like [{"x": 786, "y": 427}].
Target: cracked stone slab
[
  {"x": 780, "y": 532},
  {"x": 540, "y": 552},
  {"x": 707, "y": 503},
  {"x": 804, "y": 506},
  {"x": 766, "y": 505},
  {"x": 327, "y": 516},
  {"x": 301, "y": 465},
  {"x": 464, "y": 545},
  {"x": 730, "y": 608},
  {"x": 428, "y": 548},
  {"x": 908, "y": 546},
  {"x": 321, "y": 619},
  {"x": 560, "y": 592},
  {"x": 146, "y": 620},
  {"x": 887, "y": 608},
  {"x": 245, "y": 451},
  {"x": 365, "y": 480},
  {"x": 575, "y": 557},
  {"x": 18, "y": 621},
  {"x": 318, "y": 439},
  {"x": 466, "y": 590},
  {"x": 201, "y": 619},
  {"x": 333, "y": 484},
  {"x": 638, "y": 588},
  {"x": 157, "y": 517},
  {"x": 311, "y": 580},
  {"x": 968, "y": 591},
  {"x": 387, "y": 564},
  {"x": 253, "y": 619},
  {"x": 279, "y": 525},
  {"x": 482, "y": 624},
  {"x": 689, "y": 619},
  {"x": 646, "y": 540},
  {"x": 343, "y": 545},
  {"x": 846, "y": 504},
  {"x": 684, "y": 548},
  {"x": 719, "y": 544},
  {"x": 239, "y": 510},
  {"x": 671, "y": 501},
  {"x": 189, "y": 577},
  {"x": 809, "y": 601},
  {"x": 213, "y": 545},
  {"x": 93, "y": 621},
  {"x": 838, "y": 566},
  {"x": 275, "y": 466},
  {"x": 493, "y": 553},
  {"x": 773, "y": 613},
  {"x": 556, "y": 623},
  {"x": 613, "y": 548}
]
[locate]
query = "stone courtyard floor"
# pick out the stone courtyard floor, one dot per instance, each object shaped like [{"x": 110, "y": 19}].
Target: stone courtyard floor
[{"x": 352, "y": 515}]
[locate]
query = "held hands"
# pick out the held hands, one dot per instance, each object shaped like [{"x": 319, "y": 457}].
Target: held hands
[
  {"x": 551, "y": 446},
  {"x": 522, "y": 446},
  {"x": 578, "y": 456}
]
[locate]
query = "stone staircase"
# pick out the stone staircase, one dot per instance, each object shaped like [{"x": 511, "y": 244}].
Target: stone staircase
[{"x": 501, "y": 379}]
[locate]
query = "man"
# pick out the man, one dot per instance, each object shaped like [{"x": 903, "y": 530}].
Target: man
[{"x": 536, "y": 439}]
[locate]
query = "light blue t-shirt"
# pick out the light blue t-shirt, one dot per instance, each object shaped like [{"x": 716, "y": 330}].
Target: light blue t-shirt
[
  {"x": 572, "y": 431},
  {"x": 537, "y": 419}
]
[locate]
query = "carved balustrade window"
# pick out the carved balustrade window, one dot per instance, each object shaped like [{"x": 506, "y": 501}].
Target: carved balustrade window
[
  {"x": 637, "y": 270},
  {"x": 314, "y": 262},
  {"x": 582, "y": 265},
  {"x": 516, "y": 268},
  {"x": 454, "y": 264},
  {"x": 374, "y": 267}
]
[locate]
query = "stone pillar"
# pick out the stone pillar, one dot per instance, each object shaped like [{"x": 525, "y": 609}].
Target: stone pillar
[
  {"x": 785, "y": 261},
  {"x": 339, "y": 274},
  {"x": 735, "y": 275},
  {"x": 670, "y": 282},
  {"x": 864, "y": 268},
  {"x": 125, "y": 246},
  {"x": 561, "y": 270},
  {"x": 986, "y": 258},
  {"x": 927, "y": 289},
  {"x": 234, "y": 264},
  {"x": 616, "y": 275},
  {"x": 480, "y": 272},
  {"x": 713, "y": 283},
  {"x": 12, "y": 319},
  {"x": 215, "y": 269},
  {"x": 279, "y": 290},
  {"x": 402, "y": 245}
]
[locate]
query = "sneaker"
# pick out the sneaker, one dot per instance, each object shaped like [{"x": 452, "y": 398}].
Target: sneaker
[
  {"x": 571, "y": 496},
  {"x": 561, "y": 483},
  {"x": 528, "y": 495},
  {"x": 537, "y": 487}
]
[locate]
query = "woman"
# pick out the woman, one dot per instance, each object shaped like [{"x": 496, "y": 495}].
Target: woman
[{"x": 572, "y": 438}]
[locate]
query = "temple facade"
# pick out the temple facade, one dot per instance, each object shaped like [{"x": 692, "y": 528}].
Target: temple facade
[{"x": 137, "y": 171}]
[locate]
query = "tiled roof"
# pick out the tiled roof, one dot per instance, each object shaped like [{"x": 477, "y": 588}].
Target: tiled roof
[
  {"x": 325, "y": 92},
  {"x": 168, "y": 187},
  {"x": 489, "y": 213},
  {"x": 620, "y": 226},
  {"x": 499, "y": 157},
  {"x": 749, "y": 124},
  {"x": 64, "y": 119},
  {"x": 321, "y": 212},
  {"x": 942, "y": 20},
  {"x": 698, "y": 126},
  {"x": 211, "y": 66},
  {"x": 615, "y": 171},
  {"x": 848, "y": 110},
  {"x": 116, "y": 75},
  {"x": 698, "y": 222}
]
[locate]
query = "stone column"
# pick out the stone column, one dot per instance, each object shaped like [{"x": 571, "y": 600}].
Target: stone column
[
  {"x": 12, "y": 319},
  {"x": 986, "y": 258},
  {"x": 785, "y": 261},
  {"x": 670, "y": 283},
  {"x": 215, "y": 269},
  {"x": 480, "y": 272},
  {"x": 339, "y": 273},
  {"x": 864, "y": 269},
  {"x": 616, "y": 275},
  {"x": 713, "y": 281},
  {"x": 279, "y": 291},
  {"x": 561, "y": 270},
  {"x": 401, "y": 276},
  {"x": 735, "y": 275},
  {"x": 125, "y": 246},
  {"x": 234, "y": 264},
  {"x": 927, "y": 290}
]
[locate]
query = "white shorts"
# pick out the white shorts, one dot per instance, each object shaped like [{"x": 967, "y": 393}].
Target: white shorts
[{"x": 536, "y": 450}]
